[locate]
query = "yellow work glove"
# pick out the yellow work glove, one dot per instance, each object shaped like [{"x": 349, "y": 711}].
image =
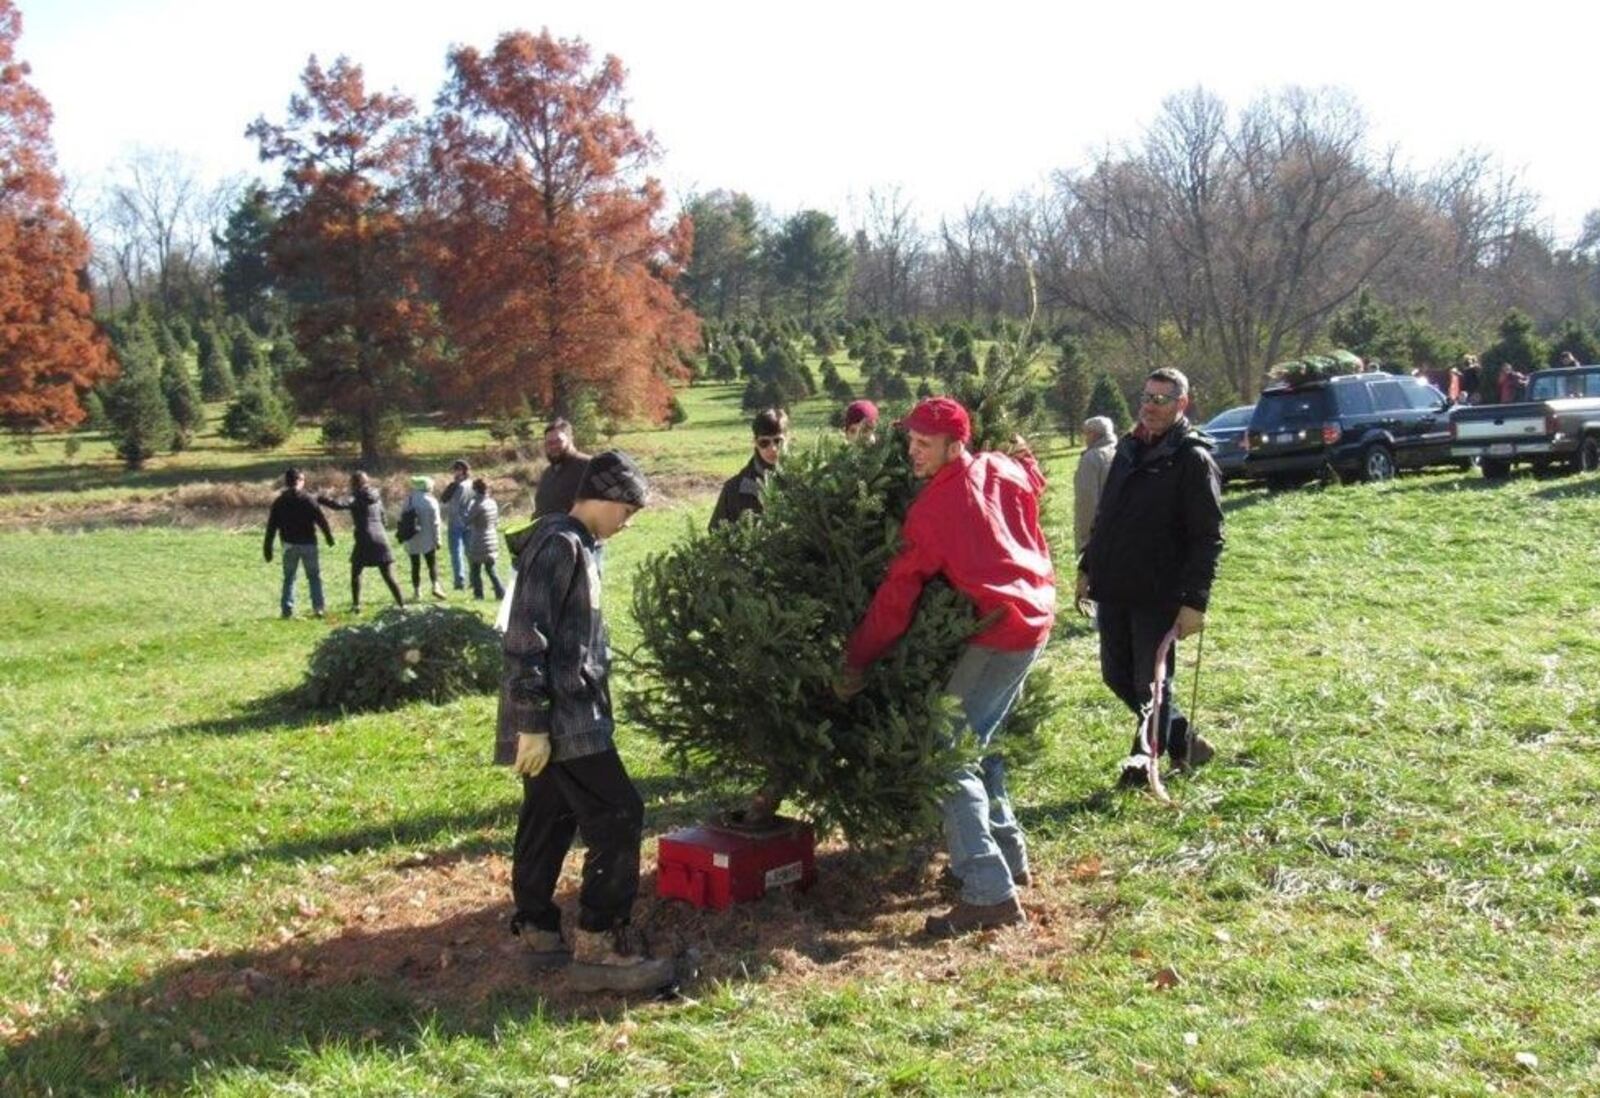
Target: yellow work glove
[
  {"x": 533, "y": 752},
  {"x": 1190, "y": 621}
]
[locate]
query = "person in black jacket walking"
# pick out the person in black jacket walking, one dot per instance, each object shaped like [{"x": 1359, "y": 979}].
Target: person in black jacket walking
[
  {"x": 296, "y": 518},
  {"x": 372, "y": 544},
  {"x": 556, "y": 729},
  {"x": 1152, "y": 556},
  {"x": 742, "y": 491}
]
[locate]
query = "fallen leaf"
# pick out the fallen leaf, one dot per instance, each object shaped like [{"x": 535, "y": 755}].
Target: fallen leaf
[
  {"x": 1222, "y": 936},
  {"x": 561, "y": 1082},
  {"x": 1166, "y": 979},
  {"x": 1087, "y": 869},
  {"x": 1528, "y": 1061}
]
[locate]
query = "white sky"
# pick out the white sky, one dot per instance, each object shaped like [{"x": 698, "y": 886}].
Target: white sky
[{"x": 812, "y": 104}]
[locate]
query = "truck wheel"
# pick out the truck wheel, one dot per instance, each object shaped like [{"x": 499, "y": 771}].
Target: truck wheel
[
  {"x": 1494, "y": 469},
  {"x": 1377, "y": 463},
  {"x": 1589, "y": 454}
]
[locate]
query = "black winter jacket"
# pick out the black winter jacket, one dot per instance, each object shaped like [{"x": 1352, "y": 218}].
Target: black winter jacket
[
  {"x": 741, "y": 492},
  {"x": 366, "y": 510},
  {"x": 1157, "y": 534},
  {"x": 557, "y": 656}
]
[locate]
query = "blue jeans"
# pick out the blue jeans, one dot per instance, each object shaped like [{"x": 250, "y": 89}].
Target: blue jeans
[
  {"x": 458, "y": 555},
  {"x": 293, "y": 557},
  {"x": 987, "y": 849}
]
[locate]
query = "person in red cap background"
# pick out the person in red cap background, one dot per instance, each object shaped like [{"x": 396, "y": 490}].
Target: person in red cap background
[
  {"x": 976, "y": 523},
  {"x": 861, "y": 421}
]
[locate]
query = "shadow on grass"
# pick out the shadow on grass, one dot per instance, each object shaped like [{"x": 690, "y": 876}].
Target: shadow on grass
[
  {"x": 1574, "y": 488},
  {"x": 387, "y": 972},
  {"x": 664, "y": 795},
  {"x": 282, "y": 711}
]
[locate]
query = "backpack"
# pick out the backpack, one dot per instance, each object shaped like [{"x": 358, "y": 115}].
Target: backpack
[{"x": 408, "y": 525}]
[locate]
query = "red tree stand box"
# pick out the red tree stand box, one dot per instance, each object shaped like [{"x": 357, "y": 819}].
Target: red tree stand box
[{"x": 713, "y": 867}]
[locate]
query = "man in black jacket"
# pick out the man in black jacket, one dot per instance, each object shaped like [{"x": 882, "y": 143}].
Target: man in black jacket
[
  {"x": 556, "y": 729},
  {"x": 295, "y": 518},
  {"x": 1152, "y": 556},
  {"x": 557, "y": 489},
  {"x": 742, "y": 491}
]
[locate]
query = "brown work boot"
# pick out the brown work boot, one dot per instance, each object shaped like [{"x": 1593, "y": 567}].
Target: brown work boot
[
  {"x": 965, "y": 918},
  {"x": 604, "y": 960},
  {"x": 546, "y": 948}
]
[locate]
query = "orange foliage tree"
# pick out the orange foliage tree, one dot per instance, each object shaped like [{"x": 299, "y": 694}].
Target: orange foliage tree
[
  {"x": 342, "y": 246},
  {"x": 554, "y": 268},
  {"x": 50, "y": 350}
]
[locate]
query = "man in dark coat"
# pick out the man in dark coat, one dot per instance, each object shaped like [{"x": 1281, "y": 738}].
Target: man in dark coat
[
  {"x": 741, "y": 493},
  {"x": 296, "y": 518},
  {"x": 1152, "y": 556},
  {"x": 557, "y": 489},
  {"x": 556, "y": 729},
  {"x": 372, "y": 543}
]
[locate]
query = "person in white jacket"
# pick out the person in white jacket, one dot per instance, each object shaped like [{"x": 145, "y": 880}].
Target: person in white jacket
[
  {"x": 1099, "y": 446},
  {"x": 423, "y": 544}
]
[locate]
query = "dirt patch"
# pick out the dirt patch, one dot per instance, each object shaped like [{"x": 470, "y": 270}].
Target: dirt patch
[
  {"x": 437, "y": 931},
  {"x": 239, "y": 505}
]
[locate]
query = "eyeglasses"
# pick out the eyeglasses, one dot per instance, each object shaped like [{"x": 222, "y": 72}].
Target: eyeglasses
[
  {"x": 1160, "y": 400},
  {"x": 768, "y": 442}
]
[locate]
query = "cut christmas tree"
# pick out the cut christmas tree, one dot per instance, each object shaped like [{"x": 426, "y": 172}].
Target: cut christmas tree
[{"x": 743, "y": 636}]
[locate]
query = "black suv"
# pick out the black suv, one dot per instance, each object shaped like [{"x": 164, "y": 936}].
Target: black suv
[{"x": 1365, "y": 426}]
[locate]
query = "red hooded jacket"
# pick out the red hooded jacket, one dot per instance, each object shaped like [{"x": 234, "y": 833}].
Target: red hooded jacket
[{"x": 977, "y": 524}]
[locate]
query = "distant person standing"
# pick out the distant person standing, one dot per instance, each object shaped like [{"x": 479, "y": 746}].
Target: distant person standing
[
  {"x": 1513, "y": 384},
  {"x": 741, "y": 493},
  {"x": 422, "y": 537},
  {"x": 483, "y": 541},
  {"x": 453, "y": 503},
  {"x": 1099, "y": 446},
  {"x": 557, "y": 489},
  {"x": 1567, "y": 361},
  {"x": 372, "y": 543},
  {"x": 861, "y": 421},
  {"x": 296, "y": 518},
  {"x": 1471, "y": 379}
]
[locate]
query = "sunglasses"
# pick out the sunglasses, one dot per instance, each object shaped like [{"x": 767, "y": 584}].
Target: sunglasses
[
  {"x": 1160, "y": 400},
  {"x": 768, "y": 442}
]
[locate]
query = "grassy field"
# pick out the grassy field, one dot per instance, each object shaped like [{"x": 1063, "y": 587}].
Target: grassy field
[{"x": 1388, "y": 882}]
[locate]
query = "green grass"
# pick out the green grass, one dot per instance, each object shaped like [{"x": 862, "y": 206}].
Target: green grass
[{"x": 1388, "y": 883}]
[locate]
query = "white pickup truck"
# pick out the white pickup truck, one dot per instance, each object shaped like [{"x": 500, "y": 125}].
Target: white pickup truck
[{"x": 1558, "y": 424}]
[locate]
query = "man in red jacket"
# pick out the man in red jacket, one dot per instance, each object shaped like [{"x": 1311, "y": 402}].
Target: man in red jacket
[{"x": 976, "y": 523}]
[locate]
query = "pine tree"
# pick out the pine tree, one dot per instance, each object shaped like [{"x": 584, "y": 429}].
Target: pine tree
[
  {"x": 140, "y": 425},
  {"x": 1105, "y": 399},
  {"x": 1519, "y": 346},
  {"x": 1069, "y": 393},
  {"x": 1580, "y": 341},
  {"x": 259, "y": 416},
  {"x": 183, "y": 402},
  {"x": 743, "y": 630},
  {"x": 216, "y": 371}
]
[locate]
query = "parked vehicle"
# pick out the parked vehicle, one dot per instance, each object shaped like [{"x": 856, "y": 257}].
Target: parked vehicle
[
  {"x": 1557, "y": 425},
  {"x": 1227, "y": 430},
  {"x": 1357, "y": 426}
]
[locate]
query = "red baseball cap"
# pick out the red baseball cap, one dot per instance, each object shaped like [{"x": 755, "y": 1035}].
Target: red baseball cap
[
  {"x": 939, "y": 416},
  {"x": 860, "y": 411}
]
